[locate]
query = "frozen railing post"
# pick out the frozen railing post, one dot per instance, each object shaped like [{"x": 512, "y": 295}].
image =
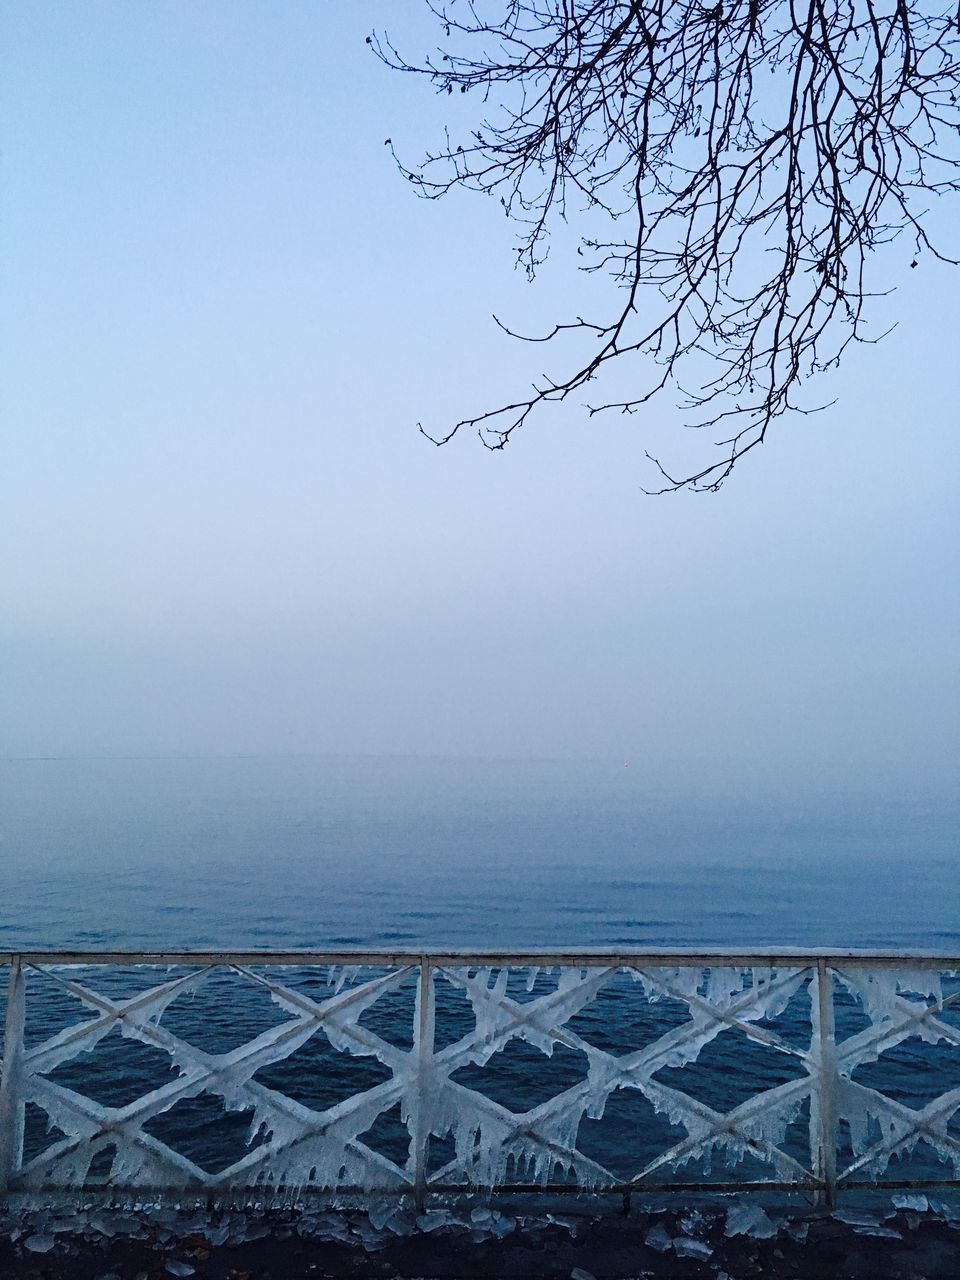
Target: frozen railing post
[
  {"x": 423, "y": 1048},
  {"x": 823, "y": 1095},
  {"x": 11, "y": 1085}
]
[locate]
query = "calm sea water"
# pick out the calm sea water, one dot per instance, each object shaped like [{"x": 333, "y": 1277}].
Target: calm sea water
[{"x": 314, "y": 852}]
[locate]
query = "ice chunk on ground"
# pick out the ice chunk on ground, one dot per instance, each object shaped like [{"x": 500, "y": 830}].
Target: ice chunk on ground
[
  {"x": 380, "y": 1210},
  {"x": 434, "y": 1219},
  {"x": 749, "y": 1220},
  {"x": 856, "y": 1218},
  {"x": 39, "y": 1243},
  {"x": 578, "y": 1273},
  {"x": 178, "y": 1268},
  {"x": 254, "y": 1231},
  {"x": 918, "y": 1203},
  {"x": 658, "y": 1238},
  {"x": 687, "y": 1248}
]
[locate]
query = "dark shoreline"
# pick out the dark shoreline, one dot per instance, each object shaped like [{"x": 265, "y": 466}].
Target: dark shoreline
[{"x": 681, "y": 1242}]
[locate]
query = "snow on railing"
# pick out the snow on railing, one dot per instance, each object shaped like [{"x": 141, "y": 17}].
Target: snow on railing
[{"x": 406, "y": 1073}]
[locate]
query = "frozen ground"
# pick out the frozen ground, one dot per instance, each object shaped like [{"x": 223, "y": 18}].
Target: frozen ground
[{"x": 910, "y": 1240}]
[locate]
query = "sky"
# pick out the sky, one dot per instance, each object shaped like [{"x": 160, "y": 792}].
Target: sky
[{"x": 223, "y": 313}]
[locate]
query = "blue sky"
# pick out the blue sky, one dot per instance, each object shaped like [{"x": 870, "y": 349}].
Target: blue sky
[{"x": 222, "y": 314}]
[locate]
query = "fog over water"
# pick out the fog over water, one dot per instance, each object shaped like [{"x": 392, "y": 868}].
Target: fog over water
[
  {"x": 332, "y": 852},
  {"x": 223, "y": 314}
]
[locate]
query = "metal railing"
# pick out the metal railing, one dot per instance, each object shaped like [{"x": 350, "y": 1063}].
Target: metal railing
[{"x": 574, "y": 1038}]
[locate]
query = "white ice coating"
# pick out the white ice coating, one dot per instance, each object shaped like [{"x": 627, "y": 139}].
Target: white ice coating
[
  {"x": 302, "y": 1146},
  {"x": 880, "y": 1128},
  {"x": 298, "y": 1146},
  {"x": 879, "y": 990},
  {"x": 494, "y": 1144}
]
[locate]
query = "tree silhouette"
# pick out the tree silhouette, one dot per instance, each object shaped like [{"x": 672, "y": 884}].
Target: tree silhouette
[{"x": 737, "y": 164}]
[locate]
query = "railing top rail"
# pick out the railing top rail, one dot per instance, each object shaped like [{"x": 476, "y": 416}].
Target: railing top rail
[{"x": 620, "y": 957}]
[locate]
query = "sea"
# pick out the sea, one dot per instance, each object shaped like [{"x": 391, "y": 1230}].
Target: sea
[
  {"x": 342, "y": 853},
  {"x": 314, "y": 852}
]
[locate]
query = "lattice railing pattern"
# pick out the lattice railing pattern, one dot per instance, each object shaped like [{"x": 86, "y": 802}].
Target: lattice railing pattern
[{"x": 835, "y": 1021}]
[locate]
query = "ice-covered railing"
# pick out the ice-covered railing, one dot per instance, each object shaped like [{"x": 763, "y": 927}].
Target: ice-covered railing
[{"x": 406, "y": 1073}]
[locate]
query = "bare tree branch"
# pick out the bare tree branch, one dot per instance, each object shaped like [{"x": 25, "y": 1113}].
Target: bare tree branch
[{"x": 755, "y": 153}]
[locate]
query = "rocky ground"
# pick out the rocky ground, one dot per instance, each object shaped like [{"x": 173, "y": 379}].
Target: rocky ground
[{"x": 722, "y": 1242}]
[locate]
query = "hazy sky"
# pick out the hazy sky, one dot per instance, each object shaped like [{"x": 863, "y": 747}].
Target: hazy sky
[{"x": 222, "y": 315}]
